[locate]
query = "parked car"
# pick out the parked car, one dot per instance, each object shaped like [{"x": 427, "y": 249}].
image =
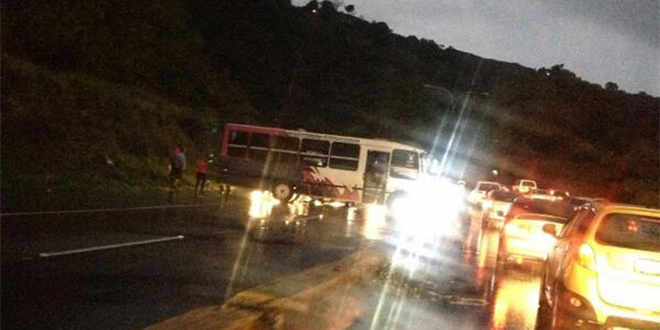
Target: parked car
[
  {"x": 496, "y": 206},
  {"x": 524, "y": 186},
  {"x": 480, "y": 191},
  {"x": 524, "y": 238},
  {"x": 604, "y": 271}
]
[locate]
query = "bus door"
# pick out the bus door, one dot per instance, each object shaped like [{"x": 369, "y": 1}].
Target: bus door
[{"x": 375, "y": 176}]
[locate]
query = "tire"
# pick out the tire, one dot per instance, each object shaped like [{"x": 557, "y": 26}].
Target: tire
[
  {"x": 543, "y": 313},
  {"x": 282, "y": 191}
]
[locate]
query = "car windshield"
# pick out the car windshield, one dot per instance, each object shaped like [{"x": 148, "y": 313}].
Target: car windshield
[
  {"x": 503, "y": 196},
  {"x": 532, "y": 217},
  {"x": 488, "y": 187},
  {"x": 557, "y": 208},
  {"x": 630, "y": 231}
]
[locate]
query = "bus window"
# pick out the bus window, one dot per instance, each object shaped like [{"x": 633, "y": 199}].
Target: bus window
[
  {"x": 285, "y": 143},
  {"x": 314, "y": 152},
  {"x": 345, "y": 156},
  {"x": 260, "y": 140},
  {"x": 285, "y": 158},
  {"x": 258, "y": 155},
  {"x": 238, "y": 142},
  {"x": 259, "y": 144}
]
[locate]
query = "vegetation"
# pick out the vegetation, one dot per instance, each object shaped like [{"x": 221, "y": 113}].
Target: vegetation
[{"x": 125, "y": 81}]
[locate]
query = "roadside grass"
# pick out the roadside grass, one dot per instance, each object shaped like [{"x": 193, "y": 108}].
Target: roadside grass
[{"x": 72, "y": 141}]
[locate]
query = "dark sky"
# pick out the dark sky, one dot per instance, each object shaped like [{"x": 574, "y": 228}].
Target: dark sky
[{"x": 599, "y": 40}]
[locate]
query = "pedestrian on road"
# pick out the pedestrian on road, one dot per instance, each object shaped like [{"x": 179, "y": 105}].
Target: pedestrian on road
[
  {"x": 176, "y": 173},
  {"x": 175, "y": 152},
  {"x": 202, "y": 169}
]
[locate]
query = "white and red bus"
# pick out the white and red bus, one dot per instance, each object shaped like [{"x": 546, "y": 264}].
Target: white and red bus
[{"x": 331, "y": 167}]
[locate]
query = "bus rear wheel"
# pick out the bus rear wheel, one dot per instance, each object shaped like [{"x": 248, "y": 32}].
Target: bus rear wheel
[{"x": 282, "y": 191}]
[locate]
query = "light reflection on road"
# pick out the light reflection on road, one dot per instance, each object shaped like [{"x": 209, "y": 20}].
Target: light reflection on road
[
  {"x": 516, "y": 301},
  {"x": 512, "y": 295}
]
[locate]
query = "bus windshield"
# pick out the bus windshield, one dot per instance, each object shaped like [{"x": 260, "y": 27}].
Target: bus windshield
[
  {"x": 405, "y": 164},
  {"x": 405, "y": 158}
]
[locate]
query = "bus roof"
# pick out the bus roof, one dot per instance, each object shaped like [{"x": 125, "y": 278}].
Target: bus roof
[{"x": 302, "y": 134}]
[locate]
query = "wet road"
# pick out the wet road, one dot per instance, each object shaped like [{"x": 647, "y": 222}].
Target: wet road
[
  {"x": 223, "y": 252},
  {"x": 455, "y": 289}
]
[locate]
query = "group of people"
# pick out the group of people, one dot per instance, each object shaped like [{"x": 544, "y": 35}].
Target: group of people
[{"x": 178, "y": 166}]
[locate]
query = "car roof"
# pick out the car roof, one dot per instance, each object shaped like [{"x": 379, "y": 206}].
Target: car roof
[
  {"x": 543, "y": 206},
  {"x": 629, "y": 208},
  {"x": 488, "y": 182},
  {"x": 542, "y": 216}
]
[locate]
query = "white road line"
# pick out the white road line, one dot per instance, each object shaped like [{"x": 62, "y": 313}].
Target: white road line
[
  {"x": 108, "y": 247},
  {"x": 108, "y": 209}
]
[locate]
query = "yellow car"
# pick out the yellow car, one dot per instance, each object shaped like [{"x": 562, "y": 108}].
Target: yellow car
[{"x": 604, "y": 271}]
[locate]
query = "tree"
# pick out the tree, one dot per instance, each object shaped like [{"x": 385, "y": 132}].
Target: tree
[
  {"x": 611, "y": 86},
  {"x": 312, "y": 5},
  {"x": 349, "y": 9}
]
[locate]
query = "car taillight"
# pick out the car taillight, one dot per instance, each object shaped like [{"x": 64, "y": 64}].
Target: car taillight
[{"x": 586, "y": 257}]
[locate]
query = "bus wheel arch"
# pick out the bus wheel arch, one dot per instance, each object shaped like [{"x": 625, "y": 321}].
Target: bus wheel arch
[{"x": 283, "y": 190}]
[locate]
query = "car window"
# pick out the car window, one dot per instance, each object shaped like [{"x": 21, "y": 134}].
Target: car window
[
  {"x": 630, "y": 231},
  {"x": 579, "y": 224}
]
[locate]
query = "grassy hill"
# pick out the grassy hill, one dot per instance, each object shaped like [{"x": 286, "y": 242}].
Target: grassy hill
[{"x": 83, "y": 82}]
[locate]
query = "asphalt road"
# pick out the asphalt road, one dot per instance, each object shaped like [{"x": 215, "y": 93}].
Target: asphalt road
[{"x": 162, "y": 275}]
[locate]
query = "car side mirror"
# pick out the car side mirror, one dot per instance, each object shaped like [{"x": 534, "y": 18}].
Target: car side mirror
[{"x": 550, "y": 229}]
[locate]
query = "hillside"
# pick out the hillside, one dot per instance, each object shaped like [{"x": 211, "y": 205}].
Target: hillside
[{"x": 127, "y": 80}]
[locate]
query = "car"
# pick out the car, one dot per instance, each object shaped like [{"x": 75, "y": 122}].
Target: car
[
  {"x": 578, "y": 201},
  {"x": 496, "y": 207},
  {"x": 544, "y": 194},
  {"x": 524, "y": 186},
  {"x": 524, "y": 238},
  {"x": 480, "y": 191},
  {"x": 524, "y": 204},
  {"x": 604, "y": 271}
]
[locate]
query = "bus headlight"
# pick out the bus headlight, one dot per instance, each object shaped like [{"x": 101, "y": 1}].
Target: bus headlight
[{"x": 429, "y": 209}]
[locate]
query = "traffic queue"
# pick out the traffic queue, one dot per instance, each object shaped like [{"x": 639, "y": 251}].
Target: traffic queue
[{"x": 599, "y": 261}]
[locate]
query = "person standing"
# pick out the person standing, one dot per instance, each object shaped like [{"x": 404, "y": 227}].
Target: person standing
[
  {"x": 202, "y": 169},
  {"x": 178, "y": 166}
]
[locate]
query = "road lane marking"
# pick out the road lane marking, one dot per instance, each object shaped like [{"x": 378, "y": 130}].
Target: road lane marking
[
  {"x": 108, "y": 209},
  {"x": 108, "y": 247}
]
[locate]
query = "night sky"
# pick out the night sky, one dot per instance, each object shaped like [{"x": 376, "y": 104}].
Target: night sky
[{"x": 599, "y": 40}]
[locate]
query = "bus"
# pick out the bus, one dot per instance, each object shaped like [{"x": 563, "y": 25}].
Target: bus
[{"x": 323, "y": 166}]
